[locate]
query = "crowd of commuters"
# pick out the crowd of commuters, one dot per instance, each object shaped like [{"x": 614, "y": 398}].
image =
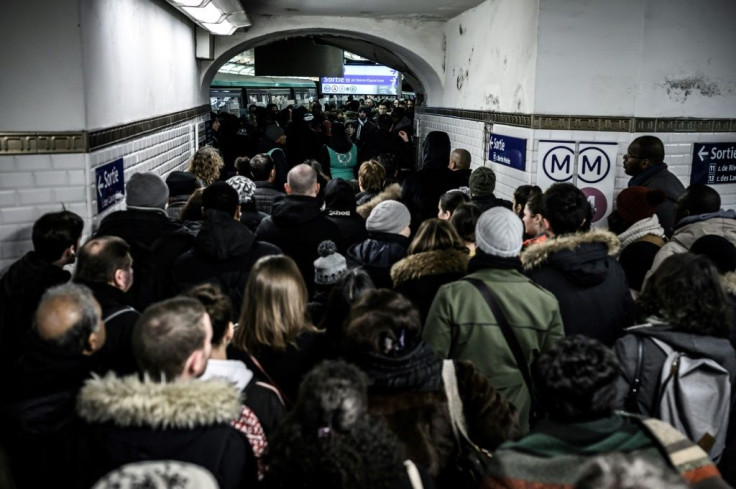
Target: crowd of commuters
[{"x": 303, "y": 308}]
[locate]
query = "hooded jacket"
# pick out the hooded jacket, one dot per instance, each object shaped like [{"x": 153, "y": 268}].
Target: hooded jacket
[
  {"x": 689, "y": 229},
  {"x": 297, "y": 226},
  {"x": 418, "y": 277},
  {"x": 129, "y": 420},
  {"x": 392, "y": 192},
  {"x": 224, "y": 251},
  {"x": 660, "y": 178},
  {"x": 377, "y": 254},
  {"x": 590, "y": 285}
]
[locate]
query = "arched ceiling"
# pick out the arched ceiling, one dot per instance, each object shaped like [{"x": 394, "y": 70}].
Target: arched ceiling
[{"x": 424, "y": 9}]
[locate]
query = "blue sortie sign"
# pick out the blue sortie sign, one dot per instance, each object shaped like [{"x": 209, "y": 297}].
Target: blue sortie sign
[
  {"x": 508, "y": 151},
  {"x": 714, "y": 163},
  {"x": 110, "y": 184}
]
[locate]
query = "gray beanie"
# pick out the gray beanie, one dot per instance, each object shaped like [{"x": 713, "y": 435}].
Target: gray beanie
[
  {"x": 390, "y": 216},
  {"x": 245, "y": 187},
  {"x": 499, "y": 232},
  {"x": 482, "y": 181},
  {"x": 146, "y": 189},
  {"x": 330, "y": 266}
]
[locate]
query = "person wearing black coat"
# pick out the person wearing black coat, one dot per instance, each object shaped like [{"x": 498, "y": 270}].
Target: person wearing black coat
[
  {"x": 340, "y": 209},
  {"x": 296, "y": 224},
  {"x": 224, "y": 250}
]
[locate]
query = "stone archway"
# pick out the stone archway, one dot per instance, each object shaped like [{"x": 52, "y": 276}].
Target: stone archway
[{"x": 418, "y": 44}]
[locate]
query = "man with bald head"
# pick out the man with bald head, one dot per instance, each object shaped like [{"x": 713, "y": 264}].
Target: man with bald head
[
  {"x": 297, "y": 225},
  {"x": 105, "y": 266},
  {"x": 644, "y": 162},
  {"x": 38, "y": 412}
]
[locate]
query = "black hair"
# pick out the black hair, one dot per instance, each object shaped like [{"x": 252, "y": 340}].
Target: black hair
[
  {"x": 720, "y": 251},
  {"x": 452, "y": 199},
  {"x": 384, "y": 122},
  {"x": 697, "y": 199},
  {"x": 576, "y": 379},
  {"x": 218, "y": 306},
  {"x": 346, "y": 292},
  {"x": 242, "y": 166},
  {"x": 567, "y": 209},
  {"x": 686, "y": 291},
  {"x": 220, "y": 196},
  {"x": 534, "y": 200},
  {"x": 54, "y": 232},
  {"x": 522, "y": 194},
  {"x": 464, "y": 220},
  {"x": 261, "y": 166},
  {"x": 99, "y": 258},
  {"x": 649, "y": 147}
]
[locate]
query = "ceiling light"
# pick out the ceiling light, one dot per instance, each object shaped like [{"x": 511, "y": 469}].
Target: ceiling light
[
  {"x": 188, "y": 3},
  {"x": 223, "y": 28},
  {"x": 207, "y": 14}
]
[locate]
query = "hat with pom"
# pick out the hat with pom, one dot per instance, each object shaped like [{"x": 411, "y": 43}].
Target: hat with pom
[
  {"x": 330, "y": 266},
  {"x": 636, "y": 203}
]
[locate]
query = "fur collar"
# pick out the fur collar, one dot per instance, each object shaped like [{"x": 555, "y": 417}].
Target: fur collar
[
  {"x": 427, "y": 263},
  {"x": 392, "y": 192},
  {"x": 729, "y": 282},
  {"x": 536, "y": 254},
  {"x": 130, "y": 401}
]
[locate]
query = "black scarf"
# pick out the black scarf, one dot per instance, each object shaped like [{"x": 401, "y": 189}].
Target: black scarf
[{"x": 483, "y": 260}]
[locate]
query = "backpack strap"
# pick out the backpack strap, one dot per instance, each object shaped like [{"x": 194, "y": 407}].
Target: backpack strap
[
  {"x": 414, "y": 478},
  {"x": 454, "y": 402},
  {"x": 511, "y": 340},
  {"x": 630, "y": 402},
  {"x": 117, "y": 313}
]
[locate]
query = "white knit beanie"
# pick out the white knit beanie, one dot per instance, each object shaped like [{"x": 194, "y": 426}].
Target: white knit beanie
[{"x": 499, "y": 232}]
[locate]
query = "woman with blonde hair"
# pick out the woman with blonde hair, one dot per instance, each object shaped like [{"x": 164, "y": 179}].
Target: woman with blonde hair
[
  {"x": 206, "y": 165},
  {"x": 436, "y": 256},
  {"x": 275, "y": 336}
]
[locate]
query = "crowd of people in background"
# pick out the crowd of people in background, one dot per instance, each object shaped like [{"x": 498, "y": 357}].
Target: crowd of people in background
[{"x": 303, "y": 307}]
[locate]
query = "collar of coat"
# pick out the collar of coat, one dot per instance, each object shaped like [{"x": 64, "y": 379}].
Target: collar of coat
[
  {"x": 435, "y": 262},
  {"x": 392, "y": 192},
  {"x": 132, "y": 401},
  {"x": 535, "y": 255}
]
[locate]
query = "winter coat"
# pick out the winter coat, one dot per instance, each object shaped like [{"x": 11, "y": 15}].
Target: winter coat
[
  {"x": 119, "y": 318},
  {"x": 224, "y": 252},
  {"x": 130, "y": 420},
  {"x": 691, "y": 228},
  {"x": 579, "y": 269},
  {"x": 392, "y": 192},
  {"x": 297, "y": 226},
  {"x": 377, "y": 254},
  {"x": 251, "y": 217},
  {"x": 265, "y": 195},
  {"x": 408, "y": 394},
  {"x": 418, "y": 277},
  {"x": 380, "y": 142},
  {"x": 659, "y": 178},
  {"x": 21, "y": 288},
  {"x": 485, "y": 202},
  {"x": 352, "y": 226},
  {"x": 554, "y": 455},
  {"x": 155, "y": 243},
  {"x": 626, "y": 349},
  {"x": 460, "y": 325},
  {"x": 421, "y": 191}
]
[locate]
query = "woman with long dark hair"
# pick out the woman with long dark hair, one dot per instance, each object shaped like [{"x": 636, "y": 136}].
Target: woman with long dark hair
[{"x": 339, "y": 156}]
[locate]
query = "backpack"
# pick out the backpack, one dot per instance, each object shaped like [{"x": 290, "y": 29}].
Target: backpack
[{"x": 693, "y": 395}]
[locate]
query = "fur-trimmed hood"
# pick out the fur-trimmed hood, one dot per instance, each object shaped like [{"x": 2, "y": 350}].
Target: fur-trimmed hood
[
  {"x": 130, "y": 401},
  {"x": 392, "y": 192},
  {"x": 435, "y": 262},
  {"x": 536, "y": 255},
  {"x": 729, "y": 282}
]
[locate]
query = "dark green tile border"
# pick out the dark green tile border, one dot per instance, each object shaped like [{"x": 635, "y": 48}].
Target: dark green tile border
[
  {"x": 20, "y": 143},
  {"x": 588, "y": 123}
]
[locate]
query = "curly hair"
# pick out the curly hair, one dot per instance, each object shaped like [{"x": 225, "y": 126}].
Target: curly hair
[
  {"x": 206, "y": 164},
  {"x": 687, "y": 292},
  {"x": 329, "y": 441},
  {"x": 576, "y": 379}
]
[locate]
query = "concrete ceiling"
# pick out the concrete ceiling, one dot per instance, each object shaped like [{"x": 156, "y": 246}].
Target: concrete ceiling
[{"x": 420, "y": 9}]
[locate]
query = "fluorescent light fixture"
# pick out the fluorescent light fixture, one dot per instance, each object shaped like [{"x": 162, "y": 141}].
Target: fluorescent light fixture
[
  {"x": 188, "y": 3},
  {"x": 223, "y": 28},
  {"x": 209, "y": 14}
]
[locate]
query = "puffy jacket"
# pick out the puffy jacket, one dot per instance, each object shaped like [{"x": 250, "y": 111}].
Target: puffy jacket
[
  {"x": 377, "y": 254},
  {"x": 590, "y": 285}
]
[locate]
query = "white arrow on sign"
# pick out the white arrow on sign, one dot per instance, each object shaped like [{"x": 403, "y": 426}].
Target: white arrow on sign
[{"x": 702, "y": 153}]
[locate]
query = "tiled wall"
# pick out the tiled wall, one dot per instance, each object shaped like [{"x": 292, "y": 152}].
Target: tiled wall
[
  {"x": 473, "y": 136},
  {"x": 31, "y": 185}
]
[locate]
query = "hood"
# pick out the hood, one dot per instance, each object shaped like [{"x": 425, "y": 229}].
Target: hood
[
  {"x": 222, "y": 237},
  {"x": 339, "y": 195},
  {"x": 295, "y": 210},
  {"x": 719, "y": 349},
  {"x": 723, "y": 214},
  {"x": 581, "y": 257},
  {"x": 31, "y": 276},
  {"x": 380, "y": 250},
  {"x": 436, "y": 150},
  {"x": 130, "y": 401},
  {"x": 392, "y": 192},
  {"x": 435, "y": 262}
]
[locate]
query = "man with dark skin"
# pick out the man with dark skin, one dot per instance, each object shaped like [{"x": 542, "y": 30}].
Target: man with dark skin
[{"x": 644, "y": 162}]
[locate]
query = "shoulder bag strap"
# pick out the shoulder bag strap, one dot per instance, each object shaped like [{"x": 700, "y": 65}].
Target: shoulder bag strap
[
  {"x": 413, "y": 473},
  {"x": 631, "y": 405},
  {"x": 508, "y": 334},
  {"x": 454, "y": 403},
  {"x": 281, "y": 395}
]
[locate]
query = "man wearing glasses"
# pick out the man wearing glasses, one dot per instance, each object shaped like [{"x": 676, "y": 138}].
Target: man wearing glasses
[{"x": 644, "y": 162}]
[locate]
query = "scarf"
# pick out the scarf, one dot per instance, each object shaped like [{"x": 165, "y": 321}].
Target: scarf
[
  {"x": 639, "y": 229},
  {"x": 418, "y": 370},
  {"x": 483, "y": 260}
]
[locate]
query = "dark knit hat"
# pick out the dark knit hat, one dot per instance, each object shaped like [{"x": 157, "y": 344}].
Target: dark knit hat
[
  {"x": 181, "y": 183},
  {"x": 636, "y": 203},
  {"x": 146, "y": 189},
  {"x": 499, "y": 232},
  {"x": 390, "y": 216},
  {"x": 720, "y": 251},
  {"x": 330, "y": 266},
  {"x": 482, "y": 181},
  {"x": 273, "y": 132},
  {"x": 339, "y": 195}
]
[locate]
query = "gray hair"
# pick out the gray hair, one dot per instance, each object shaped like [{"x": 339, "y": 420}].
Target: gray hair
[{"x": 81, "y": 297}]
